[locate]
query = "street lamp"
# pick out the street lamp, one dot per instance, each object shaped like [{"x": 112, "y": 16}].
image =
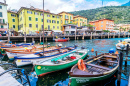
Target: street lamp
[{"x": 43, "y": 27}]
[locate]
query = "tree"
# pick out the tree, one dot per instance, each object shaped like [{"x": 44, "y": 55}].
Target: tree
[{"x": 90, "y": 27}]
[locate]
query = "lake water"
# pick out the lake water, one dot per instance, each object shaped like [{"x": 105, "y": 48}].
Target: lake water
[{"x": 61, "y": 78}]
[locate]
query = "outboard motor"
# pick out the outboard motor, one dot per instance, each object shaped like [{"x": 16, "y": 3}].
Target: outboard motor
[
  {"x": 33, "y": 42},
  {"x": 83, "y": 47},
  {"x": 10, "y": 42},
  {"x": 112, "y": 50}
]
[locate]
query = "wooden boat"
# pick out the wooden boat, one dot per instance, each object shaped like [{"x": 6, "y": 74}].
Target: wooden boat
[
  {"x": 26, "y": 51},
  {"x": 33, "y": 58},
  {"x": 59, "y": 62},
  {"x": 61, "y": 40},
  {"x": 97, "y": 68}
]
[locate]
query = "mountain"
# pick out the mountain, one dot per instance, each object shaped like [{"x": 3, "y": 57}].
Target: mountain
[
  {"x": 127, "y": 4},
  {"x": 120, "y": 14}
]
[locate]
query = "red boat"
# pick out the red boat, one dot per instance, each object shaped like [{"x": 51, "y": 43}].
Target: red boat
[{"x": 61, "y": 40}]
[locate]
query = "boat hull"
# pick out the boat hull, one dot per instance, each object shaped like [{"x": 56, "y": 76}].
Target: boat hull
[
  {"x": 45, "y": 69},
  {"x": 61, "y": 40},
  {"x": 79, "y": 81}
]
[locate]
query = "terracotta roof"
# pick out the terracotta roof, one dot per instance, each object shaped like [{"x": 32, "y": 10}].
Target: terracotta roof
[
  {"x": 101, "y": 20},
  {"x": 65, "y": 12},
  {"x": 3, "y": 3},
  {"x": 11, "y": 11},
  {"x": 79, "y": 16}
]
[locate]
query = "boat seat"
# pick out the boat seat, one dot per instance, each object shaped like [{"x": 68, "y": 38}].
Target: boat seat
[
  {"x": 101, "y": 67},
  {"x": 112, "y": 62}
]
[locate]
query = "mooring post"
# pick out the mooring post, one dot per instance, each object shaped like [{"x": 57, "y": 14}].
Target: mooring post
[
  {"x": 24, "y": 37},
  {"x": 120, "y": 68},
  {"x": 126, "y": 58},
  {"x": 83, "y": 37},
  {"x": 32, "y": 39},
  {"x": 75, "y": 35},
  {"x": 8, "y": 37},
  {"x": 101, "y": 35},
  {"x": 128, "y": 34},
  {"x": 108, "y": 35},
  {"x": 96, "y": 53},
  {"x": 77, "y": 38},
  {"x": 119, "y": 35},
  {"x": 46, "y": 39},
  {"x": 68, "y": 38},
  {"x": 91, "y": 37},
  {"x": 40, "y": 37}
]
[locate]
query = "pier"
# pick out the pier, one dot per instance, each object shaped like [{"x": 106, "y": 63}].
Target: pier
[
  {"x": 7, "y": 80},
  {"x": 71, "y": 37}
]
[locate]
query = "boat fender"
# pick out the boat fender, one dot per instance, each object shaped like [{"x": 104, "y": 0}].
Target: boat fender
[
  {"x": 13, "y": 45},
  {"x": 81, "y": 65},
  {"x": 27, "y": 50}
]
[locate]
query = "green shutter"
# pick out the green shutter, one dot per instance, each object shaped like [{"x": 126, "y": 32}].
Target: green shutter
[
  {"x": 1, "y": 26},
  {"x": 65, "y": 16},
  {"x": 3, "y": 21},
  {"x": 30, "y": 19}
]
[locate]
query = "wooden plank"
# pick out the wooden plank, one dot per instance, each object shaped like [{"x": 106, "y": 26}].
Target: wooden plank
[{"x": 8, "y": 80}]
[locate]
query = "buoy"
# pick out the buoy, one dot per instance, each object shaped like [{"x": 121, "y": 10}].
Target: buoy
[
  {"x": 56, "y": 45},
  {"x": 114, "y": 75},
  {"x": 92, "y": 50},
  {"x": 65, "y": 46},
  {"x": 15, "y": 42},
  {"x": 38, "y": 43},
  {"x": 116, "y": 52}
]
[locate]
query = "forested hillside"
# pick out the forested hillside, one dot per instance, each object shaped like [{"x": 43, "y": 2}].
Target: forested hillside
[{"x": 120, "y": 14}]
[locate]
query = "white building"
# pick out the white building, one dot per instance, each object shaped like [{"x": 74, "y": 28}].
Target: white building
[
  {"x": 70, "y": 28},
  {"x": 3, "y": 17}
]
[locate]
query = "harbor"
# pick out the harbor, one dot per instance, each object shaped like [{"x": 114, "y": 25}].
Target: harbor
[{"x": 61, "y": 77}]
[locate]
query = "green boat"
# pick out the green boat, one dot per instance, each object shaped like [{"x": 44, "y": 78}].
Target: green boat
[
  {"x": 60, "y": 62},
  {"x": 98, "y": 68}
]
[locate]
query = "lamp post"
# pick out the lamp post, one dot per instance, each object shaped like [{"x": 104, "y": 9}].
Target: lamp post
[{"x": 43, "y": 27}]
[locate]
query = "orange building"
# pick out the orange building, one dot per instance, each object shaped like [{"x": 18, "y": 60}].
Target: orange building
[{"x": 103, "y": 24}]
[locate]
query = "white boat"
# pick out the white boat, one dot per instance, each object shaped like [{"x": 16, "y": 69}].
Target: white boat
[
  {"x": 32, "y": 58},
  {"x": 122, "y": 45}
]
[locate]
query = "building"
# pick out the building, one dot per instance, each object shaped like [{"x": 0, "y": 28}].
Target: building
[
  {"x": 122, "y": 27},
  {"x": 80, "y": 21},
  {"x": 103, "y": 24},
  {"x": 66, "y": 18},
  {"x": 70, "y": 28},
  {"x": 31, "y": 20},
  {"x": 13, "y": 20},
  {"x": 3, "y": 17}
]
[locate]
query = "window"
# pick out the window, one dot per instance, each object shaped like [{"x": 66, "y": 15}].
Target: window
[
  {"x": 70, "y": 18},
  {"x": 53, "y": 27},
  {"x": 73, "y": 27},
  {"x": 53, "y": 16},
  {"x": 30, "y": 18},
  {"x": 13, "y": 15},
  {"x": 42, "y": 20},
  {"x": 70, "y": 21},
  {"x": 29, "y": 12},
  {"x": 0, "y": 7},
  {"x": 21, "y": 19},
  {"x": 61, "y": 21},
  {"x": 66, "y": 22},
  {"x": 36, "y": 19},
  {"x": 1, "y": 14},
  {"x": 57, "y": 27},
  {"x": 21, "y": 12},
  {"x": 48, "y": 15},
  {"x": 13, "y": 26},
  {"x": 30, "y": 25},
  {"x": 13, "y": 20},
  {"x": 2, "y": 26},
  {"x": 36, "y": 25},
  {"x": 42, "y": 27},
  {"x": 57, "y": 22},
  {"x": 85, "y": 20},
  {"x": 102, "y": 22},
  {"x": 41, "y": 14},
  {"x": 77, "y": 19},
  {"x": 101, "y": 25},
  {"x": 36, "y": 13},
  {"x": 48, "y": 21},
  {"x": 61, "y": 16},
  {"x": 48, "y": 27},
  {"x": 58, "y": 17},
  {"x": 53, "y": 21}
]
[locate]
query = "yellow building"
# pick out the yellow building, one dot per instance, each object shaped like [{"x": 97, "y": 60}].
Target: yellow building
[
  {"x": 66, "y": 18},
  {"x": 12, "y": 20},
  {"x": 31, "y": 20},
  {"x": 80, "y": 21}
]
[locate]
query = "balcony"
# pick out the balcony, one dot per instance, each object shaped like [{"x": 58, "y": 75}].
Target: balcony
[{"x": 2, "y": 22}]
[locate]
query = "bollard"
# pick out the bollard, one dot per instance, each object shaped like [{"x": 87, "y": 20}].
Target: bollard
[
  {"x": 108, "y": 35},
  {"x": 83, "y": 37},
  {"x": 40, "y": 37},
  {"x": 32, "y": 39},
  {"x": 91, "y": 36},
  {"x": 120, "y": 69},
  {"x": 8, "y": 37}
]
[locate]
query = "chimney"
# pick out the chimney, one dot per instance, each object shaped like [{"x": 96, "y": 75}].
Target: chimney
[{"x": 5, "y": 1}]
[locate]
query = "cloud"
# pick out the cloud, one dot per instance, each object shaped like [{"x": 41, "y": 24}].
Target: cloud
[
  {"x": 56, "y": 6},
  {"x": 113, "y": 3}
]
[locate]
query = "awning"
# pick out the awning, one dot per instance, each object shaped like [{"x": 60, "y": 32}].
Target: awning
[
  {"x": 3, "y": 29},
  {"x": 20, "y": 31},
  {"x": 57, "y": 31}
]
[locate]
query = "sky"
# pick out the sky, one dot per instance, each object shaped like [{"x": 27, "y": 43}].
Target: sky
[{"x": 57, "y": 6}]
